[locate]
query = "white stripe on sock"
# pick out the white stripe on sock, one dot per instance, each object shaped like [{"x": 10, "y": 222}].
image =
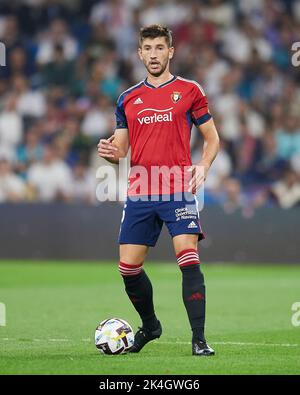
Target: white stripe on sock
[{"x": 185, "y": 258}]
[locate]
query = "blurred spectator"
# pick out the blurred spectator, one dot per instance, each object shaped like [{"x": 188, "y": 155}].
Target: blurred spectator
[
  {"x": 287, "y": 190},
  {"x": 99, "y": 42},
  {"x": 252, "y": 119},
  {"x": 151, "y": 13},
  {"x": 98, "y": 121},
  {"x": 269, "y": 166},
  {"x": 170, "y": 13},
  {"x": 18, "y": 63},
  {"x": 214, "y": 70},
  {"x": 29, "y": 152},
  {"x": 296, "y": 10},
  {"x": 50, "y": 179},
  {"x": 245, "y": 152},
  {"x": 227, "y": 105},
  {"x": 3, "y": 92},
  {"x": 30, "y": 103},
  {"x": 268, "y": 86},
  {"x": 83, "y": 184},
  {"x": 281, "y": 51},
  {"x": 53, "y": 121},
  {"x": 288, "y": 138},
  {"x": 104, "y": 75},
  {"x": 219, "y": 12},
  {"x": 68, "y": 61},
  {"x": 57, "y": 34},
  {"x": 232, "y": 197},
  {"x": 54, "y": 9},
  {"x": 11, "y": 34},
  {"x": 115, "y": 13},
  {"x": 11, "y": 125},
  {"x": 295, "y": 163},
  {"x": 73, "y": 145},
  {"x": 59, "y": 72},
  {"x": 12, "y": 188}
]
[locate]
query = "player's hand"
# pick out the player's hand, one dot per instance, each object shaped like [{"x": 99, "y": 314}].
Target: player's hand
[
  {"x": 199, "y": 173},
  {"x": 106, "y": 149}
]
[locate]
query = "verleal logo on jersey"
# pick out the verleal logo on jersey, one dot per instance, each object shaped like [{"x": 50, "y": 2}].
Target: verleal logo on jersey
[
  {"x": 164, "y": 115},
  {"x": 176, "y": 96}
]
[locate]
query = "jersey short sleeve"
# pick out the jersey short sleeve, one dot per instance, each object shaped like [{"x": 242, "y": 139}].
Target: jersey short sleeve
[
  {"x": 199, "y": 110},
  {"x": 121, "y": 121}
]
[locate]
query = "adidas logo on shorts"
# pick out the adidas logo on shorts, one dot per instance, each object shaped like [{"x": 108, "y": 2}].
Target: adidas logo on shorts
[{"x": 192, "y": 225}]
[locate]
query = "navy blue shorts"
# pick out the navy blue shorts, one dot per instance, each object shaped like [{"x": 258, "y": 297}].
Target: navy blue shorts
[{"x": 142, "y": 221}]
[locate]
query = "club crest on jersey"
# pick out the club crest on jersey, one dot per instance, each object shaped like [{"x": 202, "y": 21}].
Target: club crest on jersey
[{"x": 176, "y": 96}]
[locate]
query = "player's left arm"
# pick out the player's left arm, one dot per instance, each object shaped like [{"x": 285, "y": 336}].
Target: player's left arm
[{"x": 210, "y": 150}]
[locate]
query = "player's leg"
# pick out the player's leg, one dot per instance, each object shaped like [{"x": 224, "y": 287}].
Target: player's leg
[
  {"x": 193, "y": 289},
  {"x": 140, "y": 228},
  {"x": 137, "y": 284},
  {"x": 193, "y": 286},
  {"x": 182, "y": 219},
  {"x": 139, "y": 290}
]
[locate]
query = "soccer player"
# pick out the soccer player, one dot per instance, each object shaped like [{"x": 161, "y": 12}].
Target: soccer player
[{"x": 154, "y": 118}]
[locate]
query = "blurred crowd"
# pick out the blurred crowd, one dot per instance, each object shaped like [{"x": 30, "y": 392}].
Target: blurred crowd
[{"x": 68, "y": 60}]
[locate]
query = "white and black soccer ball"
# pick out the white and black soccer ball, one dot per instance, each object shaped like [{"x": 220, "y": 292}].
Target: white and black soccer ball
[{"x": 114, "y": 336}]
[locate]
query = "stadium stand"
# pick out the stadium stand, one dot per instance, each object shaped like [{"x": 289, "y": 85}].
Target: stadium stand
[{"x": 67, "y": 62}]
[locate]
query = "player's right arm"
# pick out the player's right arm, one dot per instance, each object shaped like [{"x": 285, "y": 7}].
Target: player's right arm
[{"x": 116, "y": 147}]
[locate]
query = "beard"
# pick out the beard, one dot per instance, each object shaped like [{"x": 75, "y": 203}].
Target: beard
[{"x": 161, "y": 67}]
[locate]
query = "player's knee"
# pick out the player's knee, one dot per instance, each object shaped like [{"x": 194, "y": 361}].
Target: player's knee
[
  {"x": 126, "y": 269},
  {"x": 185, "y": 242}
]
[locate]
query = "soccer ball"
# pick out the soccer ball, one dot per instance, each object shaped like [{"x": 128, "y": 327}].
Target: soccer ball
[{"x": 114, "y": 336}]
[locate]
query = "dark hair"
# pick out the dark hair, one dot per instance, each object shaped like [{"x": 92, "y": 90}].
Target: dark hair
[
  {"x": 154, "y": 31},
  {"x": 59, "y": 48}
]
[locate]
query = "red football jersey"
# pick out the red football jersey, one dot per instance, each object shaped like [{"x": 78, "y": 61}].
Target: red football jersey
[{"x": 159, "y": 121}]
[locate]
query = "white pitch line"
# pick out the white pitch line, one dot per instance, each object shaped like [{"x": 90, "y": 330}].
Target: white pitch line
[
  {"x": 239, "y": 344},
  {"x": 258, "y": 344},
  {"x": 59, "y": 340},
  {"x": 162, "y": 342}
]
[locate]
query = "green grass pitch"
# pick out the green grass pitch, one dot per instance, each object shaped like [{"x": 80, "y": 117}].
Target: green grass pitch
[{"x": 52, "y": 309}]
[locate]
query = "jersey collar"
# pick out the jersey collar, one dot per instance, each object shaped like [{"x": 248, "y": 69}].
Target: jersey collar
[{"x": 160, "y": 86}]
